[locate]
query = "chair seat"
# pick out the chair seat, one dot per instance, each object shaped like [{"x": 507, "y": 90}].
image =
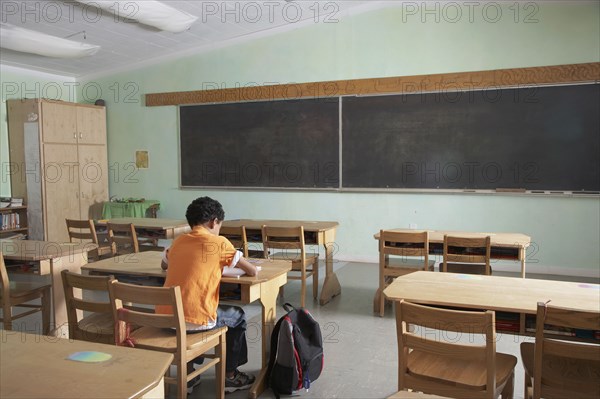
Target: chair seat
[
  {"x": 459, "y": 372},
  {"x": 22, "y": 289},
  {"x": 467, "y": 268},
  {"x": 295, "y": 258},
  {"x": 580, "y": 372},
  {"x": 400, "y": 266},
  {"x": 99, "y": 323},
  {"x": 165, "y": 340}
]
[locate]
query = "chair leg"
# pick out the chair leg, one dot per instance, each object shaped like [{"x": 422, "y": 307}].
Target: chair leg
[
  {"x": 46, "y": 310},
  {"x": 303, "y": 287},
  {"x": 220, "y": 367},
  {"x": 7, "y": 316},
  {"x": 315, "y": 272},
  {"x": 181, "y": 377}
]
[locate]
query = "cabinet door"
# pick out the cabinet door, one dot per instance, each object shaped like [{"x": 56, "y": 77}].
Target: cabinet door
[
  {"x": 93, "y": 180},
  {"x": 61, "y": 194},
  {"x": 91, "y": 125},
  {"x": 59, "y": 123}
]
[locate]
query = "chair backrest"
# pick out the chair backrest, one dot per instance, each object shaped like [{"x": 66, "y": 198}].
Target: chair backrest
[
  {"x": 289, "y": 239},
  {"x": 465, "y": 249},
  {"x": 4, "y": 287},
  {"x": 122, "y": 238},
  {"x": 564, "y": 369},
  {"x": 146, "y": 295},
  {"x": 404, "y": 244},
  {"x": 75, "y": 281},
  {"x": 237, "y": 236},
  {"x": 82, "y": 230},
  {"x": 444, "y": 320}
]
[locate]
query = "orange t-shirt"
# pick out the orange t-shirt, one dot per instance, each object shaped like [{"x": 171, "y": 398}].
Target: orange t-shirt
[{"x": 196, "y": 262}]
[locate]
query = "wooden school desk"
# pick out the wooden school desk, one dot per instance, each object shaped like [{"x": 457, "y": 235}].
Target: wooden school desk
[
  {"x": 153, "y": 228},
  {"x": 264, "y": 287},
  {"x": 49, "y": 258},
  {"x": 505, "y": 246},
  {"x": 37, "y": 366},
  {"x": 501, "y": 294},
  {"x": 315, "y": 233}
]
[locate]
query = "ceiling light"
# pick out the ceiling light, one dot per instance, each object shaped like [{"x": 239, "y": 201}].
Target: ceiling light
[
  {"x": 29, "y": 41},
  {"x": 148, "y": 12}
]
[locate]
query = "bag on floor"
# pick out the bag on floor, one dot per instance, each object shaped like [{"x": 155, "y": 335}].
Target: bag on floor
[{"x": 296, "y": 358}]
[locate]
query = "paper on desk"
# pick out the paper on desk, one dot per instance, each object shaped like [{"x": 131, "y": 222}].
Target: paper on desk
[{"x": 235, "y": 271}]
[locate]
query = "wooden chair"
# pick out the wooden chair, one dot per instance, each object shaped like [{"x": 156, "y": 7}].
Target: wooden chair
[
  {"x": 237, "y": 236},
  {"x": 85, "y": 231},
  {"x": 400, "y": 253},
  {"x": 167, "y": 333},
  {"x": 98, "y": 326},
  {"x": 471, "y": 253},
  {"x": 291, "y": 240},
  {"x": 17, "y": 295},
  {"x": 556, "y": 369},
  {"x": 431, "y": 364},
  {"x": 122, "y": 238}
]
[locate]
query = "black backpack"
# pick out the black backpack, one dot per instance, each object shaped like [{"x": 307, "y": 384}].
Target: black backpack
[{"x": 296, "y": 352}]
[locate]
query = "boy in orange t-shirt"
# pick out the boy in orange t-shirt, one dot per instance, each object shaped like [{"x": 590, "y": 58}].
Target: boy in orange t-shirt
[{"x": 195, "y": 262}]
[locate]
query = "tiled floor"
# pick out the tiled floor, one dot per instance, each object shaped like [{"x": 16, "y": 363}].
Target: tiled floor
[{"x": 360, "y": 348}]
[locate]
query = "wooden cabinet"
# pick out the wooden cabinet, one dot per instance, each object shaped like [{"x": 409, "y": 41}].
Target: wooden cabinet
[
  {"x": 13, "y": 222},
  {"x": 59, "y": 160}
]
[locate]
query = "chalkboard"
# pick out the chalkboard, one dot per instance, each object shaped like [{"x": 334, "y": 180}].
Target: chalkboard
[
  {"x": 536, "y": 138},
  {"x": 268, "y": 144}
]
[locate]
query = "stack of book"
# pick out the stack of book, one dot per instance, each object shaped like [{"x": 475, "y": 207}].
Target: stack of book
[{"x": 16, "y": 202}]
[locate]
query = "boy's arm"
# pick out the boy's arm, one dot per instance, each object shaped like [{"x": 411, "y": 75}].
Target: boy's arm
[{"x": 246, "y": 266}]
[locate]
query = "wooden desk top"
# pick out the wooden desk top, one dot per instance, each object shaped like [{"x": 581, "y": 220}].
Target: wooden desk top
[
  {"x": 149, "y": 223},
  {"x": 256, "y": 224},
  {"x": 35, "y": 366},
  {"x": 147, "y": 264},
  {"x": 32, "y": 250},
  {"x": 509, "y": 294},
  {"x": 509, "y": 240}
]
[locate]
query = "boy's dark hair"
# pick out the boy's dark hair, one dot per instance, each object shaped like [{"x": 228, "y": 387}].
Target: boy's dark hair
[{"x": 202, "y": 210}]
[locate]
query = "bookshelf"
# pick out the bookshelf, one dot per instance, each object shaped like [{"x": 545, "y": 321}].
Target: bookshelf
[{"x": 13, "y": 222}]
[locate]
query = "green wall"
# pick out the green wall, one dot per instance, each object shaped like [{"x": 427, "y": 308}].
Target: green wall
[{"x": 390, "y": 42}]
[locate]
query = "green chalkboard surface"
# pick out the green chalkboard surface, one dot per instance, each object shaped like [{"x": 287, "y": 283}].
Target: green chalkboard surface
[
  {"x": 267, "y": 144},
  {"x": 535, "y": 138}
]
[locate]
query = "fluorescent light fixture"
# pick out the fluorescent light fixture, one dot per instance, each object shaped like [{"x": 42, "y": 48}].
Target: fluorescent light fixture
[
  {"x": 147, "y": 12},
  {"x": 29, "y": 41}
]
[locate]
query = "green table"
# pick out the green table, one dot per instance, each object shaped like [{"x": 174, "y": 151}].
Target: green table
[{"x": 112, "y": 210}]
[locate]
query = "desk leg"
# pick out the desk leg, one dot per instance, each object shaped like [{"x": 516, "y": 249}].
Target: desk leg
[
  {"x": 523, "y": 256},
  {"x": 268, "y": 301},
  {"x": 73, "y": 263},
  {"x": 331, "y": 285}
]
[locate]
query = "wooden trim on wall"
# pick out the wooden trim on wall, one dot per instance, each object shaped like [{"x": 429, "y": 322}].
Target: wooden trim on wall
[{"x": 547, "y": 75}]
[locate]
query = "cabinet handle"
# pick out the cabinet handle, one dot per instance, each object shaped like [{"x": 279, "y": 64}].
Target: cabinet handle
[
  {"x": 80, "y": 135},
  {"x": 75, "y": 135}
]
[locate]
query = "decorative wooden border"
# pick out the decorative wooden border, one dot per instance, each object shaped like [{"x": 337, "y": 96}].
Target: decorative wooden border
[{"x": 557, "y": 74}]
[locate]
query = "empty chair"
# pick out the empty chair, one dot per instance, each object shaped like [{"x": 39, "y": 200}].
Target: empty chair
[
  {"x": 448, "y": 367},
  {"x": 557, "y": 369},
  {"x": 167, "y": 333},
  {"x": 237, "y": 236},
  {"x": 467, "y": 254},
  {"x": 122, "y": 238},
  {"x": 98, "y": 324},
  {"x": 85, "y": 231},
  {"x": 400, "y": 253},
  {"x": 19, "y": 295},
  {"x": 291, "y": 241}
]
